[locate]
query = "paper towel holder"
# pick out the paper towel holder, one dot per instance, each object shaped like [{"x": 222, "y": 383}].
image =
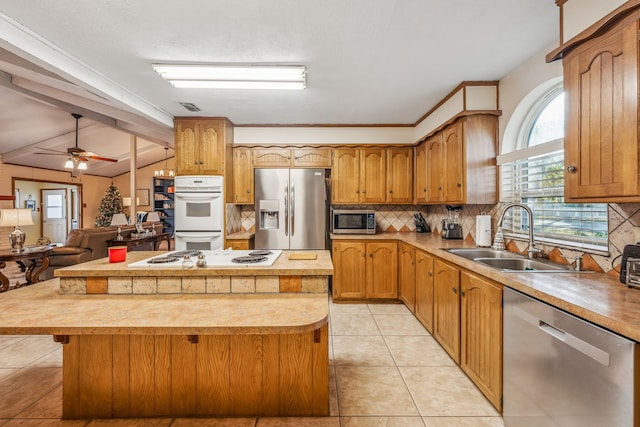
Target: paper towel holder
[{"x": 483, "y": 230}]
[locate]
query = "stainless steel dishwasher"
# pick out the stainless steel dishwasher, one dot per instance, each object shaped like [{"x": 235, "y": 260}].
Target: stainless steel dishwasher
[{"x": 562, "y": 371}]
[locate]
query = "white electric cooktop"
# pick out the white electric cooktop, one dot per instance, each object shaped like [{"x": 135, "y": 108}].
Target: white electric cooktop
[{"x": 218, "y": 258}]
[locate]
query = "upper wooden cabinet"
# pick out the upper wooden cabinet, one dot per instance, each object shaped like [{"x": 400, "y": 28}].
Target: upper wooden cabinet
[
  {"x": 358, "y": 175},
  {"x": 292, "y": 157},
  {"x": 601, "y": 140},
  {"x": 460, "y": 163},
  {"x": 372, "y": 175},
  {"x": 202, "y": 145},
  {"x": 400, "y": 175},
  {"x": 243, "y": 176},
  {"x": 420, "y": 175}
]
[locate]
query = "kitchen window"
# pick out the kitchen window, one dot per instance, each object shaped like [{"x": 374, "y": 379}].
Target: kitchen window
[{"x": 533, "y": 174}]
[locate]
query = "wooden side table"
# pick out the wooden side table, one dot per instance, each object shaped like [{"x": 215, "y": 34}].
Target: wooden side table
[
  {"x": 32, "y": 262},
  {"x": 156, "y": 239}
]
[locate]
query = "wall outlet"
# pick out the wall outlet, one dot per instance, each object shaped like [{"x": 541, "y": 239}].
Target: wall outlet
[{"x": 636, "y": 235}]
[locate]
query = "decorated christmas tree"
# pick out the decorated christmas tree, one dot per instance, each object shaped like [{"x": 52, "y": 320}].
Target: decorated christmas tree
[{"x": 111, "y": 204}]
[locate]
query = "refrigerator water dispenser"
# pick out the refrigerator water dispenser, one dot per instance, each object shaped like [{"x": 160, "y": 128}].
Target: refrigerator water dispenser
[{"x": 269, "y": 214}]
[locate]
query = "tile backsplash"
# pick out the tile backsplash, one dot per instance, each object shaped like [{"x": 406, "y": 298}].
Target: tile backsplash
[{"x": 623, "y": 217}]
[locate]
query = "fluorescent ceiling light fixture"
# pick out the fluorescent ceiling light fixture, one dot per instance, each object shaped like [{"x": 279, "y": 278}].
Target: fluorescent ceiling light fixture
[{"x": 233, "y": 76}]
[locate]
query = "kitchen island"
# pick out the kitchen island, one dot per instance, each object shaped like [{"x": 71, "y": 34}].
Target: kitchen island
[{"x": 260, "y": 350}]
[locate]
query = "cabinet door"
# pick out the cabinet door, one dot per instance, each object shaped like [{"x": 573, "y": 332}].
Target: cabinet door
[
  {"x": 349, "y": 270},
  {"x": 446, "y": 308},
  {"x": 453, "y": 163},
  {"x": 406, "y": 275},
  {"x": 424, "y": 289},
  {"x": 311, "y": 157},
  {"x": 382, "y": 270},
  {"x": 345, "y": 176},
  {"x": 373, "y": 175},
  {"x": 243, "y": 176},
  {"x": 481, "y": 334},
  {"x": 400, "y": 175},
  {"x": 271, "y": 158},
  {"x": 210, "y": 147},
  {"x": 420, "y": 179},
  {"x": 601, "y": 141},
  {"x": 435, "y": 169},
  {"x": 186, "y": 143}
]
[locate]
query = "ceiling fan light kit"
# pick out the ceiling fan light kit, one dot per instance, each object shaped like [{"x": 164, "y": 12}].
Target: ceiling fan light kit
[
  {"x": 77, "y": 158},
  {"x": 233, "y": 76}
]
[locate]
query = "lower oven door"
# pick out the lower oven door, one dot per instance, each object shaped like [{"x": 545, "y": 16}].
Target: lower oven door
[
  {"x": 198, "y": 240},
  {"x": 198, "y": 211}
]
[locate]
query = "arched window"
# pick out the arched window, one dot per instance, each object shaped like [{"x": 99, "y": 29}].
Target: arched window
[{"x": 533, "y": 174}]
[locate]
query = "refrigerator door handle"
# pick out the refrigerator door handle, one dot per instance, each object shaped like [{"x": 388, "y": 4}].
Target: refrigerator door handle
[
  {"x": 286, "y": 208},
  {"x": 293, "y": 209}
]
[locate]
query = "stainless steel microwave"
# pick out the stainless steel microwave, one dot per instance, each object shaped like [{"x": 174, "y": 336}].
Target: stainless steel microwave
[{"x": 353, "y": 221}]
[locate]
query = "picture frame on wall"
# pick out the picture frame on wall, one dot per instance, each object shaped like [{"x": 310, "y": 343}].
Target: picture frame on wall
[
  {"x": 30, "y": 204},
  {"x": 143, "y": 197}
]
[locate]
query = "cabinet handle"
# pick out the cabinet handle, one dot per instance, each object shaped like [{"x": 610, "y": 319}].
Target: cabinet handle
[
  {"x": 357, "y": 191},
  {"x": 248, "y": 191},
  {"x": 430, "y": 274},
  {"x": 424, "y": 190},
  {"x": 439, "y": 188},
  {"x": 390, "y": 191},
  {"x": 572, "y": 169},
  {"x": 363, "y": 255},
  {"x": 461, "y": 293},
  {"x": 459, "y": 185},
  {"x": 370, "y": 255},
  {"x": 454, "y": 290},
  {"x": 364, "y": 191}
]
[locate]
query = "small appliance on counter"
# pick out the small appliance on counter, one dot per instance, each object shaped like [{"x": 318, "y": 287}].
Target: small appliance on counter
[
  {"x": 451, "y": 228},
  {"x": 353, "y": 221},
  {"x": 421, "y": 224}
]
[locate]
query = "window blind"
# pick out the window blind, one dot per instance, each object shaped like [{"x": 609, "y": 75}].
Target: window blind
[{"x": 538, "y": 182}]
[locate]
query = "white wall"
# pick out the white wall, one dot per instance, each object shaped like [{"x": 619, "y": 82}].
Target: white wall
[
  {"x": 525, "y": 83},
  {"x": 580, "y": 14}
]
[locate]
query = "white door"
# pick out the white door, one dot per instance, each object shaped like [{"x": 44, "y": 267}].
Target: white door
[{"x": 54, "y": 215}]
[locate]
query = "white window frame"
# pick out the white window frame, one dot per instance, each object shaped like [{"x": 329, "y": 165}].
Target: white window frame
[{"x": 522, "y": 152}]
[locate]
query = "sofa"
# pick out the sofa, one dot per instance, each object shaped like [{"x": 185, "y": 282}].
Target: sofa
[{"x": 86, "y": 244}]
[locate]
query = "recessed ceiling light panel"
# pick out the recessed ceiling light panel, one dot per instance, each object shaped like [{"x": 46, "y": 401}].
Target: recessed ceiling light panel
[{"x": 234, "y": 76}]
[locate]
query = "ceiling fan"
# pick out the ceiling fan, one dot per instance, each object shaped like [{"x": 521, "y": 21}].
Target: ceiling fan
[{"x": 77, "y": 157}]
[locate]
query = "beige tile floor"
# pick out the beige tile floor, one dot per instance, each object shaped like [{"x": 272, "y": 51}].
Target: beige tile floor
[{"x": 386, "y": 370}]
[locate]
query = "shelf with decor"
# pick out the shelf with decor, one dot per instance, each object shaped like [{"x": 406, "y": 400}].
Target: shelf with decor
[{"x": 163, "y": 202}]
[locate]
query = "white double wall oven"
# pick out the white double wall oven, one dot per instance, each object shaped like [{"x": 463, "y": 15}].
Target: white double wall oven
[{"x": 199, "y": 212}]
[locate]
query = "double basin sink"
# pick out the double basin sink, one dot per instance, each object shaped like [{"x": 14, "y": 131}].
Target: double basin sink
[{"x": 510, "y": 262}]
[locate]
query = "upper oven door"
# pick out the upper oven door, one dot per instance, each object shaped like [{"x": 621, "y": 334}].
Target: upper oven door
[{"x": 198, "y": 211}]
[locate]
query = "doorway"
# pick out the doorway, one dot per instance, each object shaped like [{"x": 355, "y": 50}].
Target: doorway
[
  {"x": 54, "y": 214},
  {"x": 55, "y": 201}
]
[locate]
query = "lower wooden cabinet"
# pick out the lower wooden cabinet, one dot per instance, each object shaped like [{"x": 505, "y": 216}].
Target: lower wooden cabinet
[
  {"x": 424, "y": 289},
  {"x": 407, "y": 275},
  {"x": 446, "y": 308},
  {"x": 481, "y": 334},
  {"x": 365, "y": 270}
]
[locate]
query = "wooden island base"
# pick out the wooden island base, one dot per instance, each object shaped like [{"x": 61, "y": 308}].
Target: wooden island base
[{"x": 121, "y": 376}]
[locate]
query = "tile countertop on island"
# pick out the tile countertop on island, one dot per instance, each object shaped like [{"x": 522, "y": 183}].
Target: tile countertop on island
[
  {"x": 322, "y": 265},
  {"x": 598, "y": 298}
]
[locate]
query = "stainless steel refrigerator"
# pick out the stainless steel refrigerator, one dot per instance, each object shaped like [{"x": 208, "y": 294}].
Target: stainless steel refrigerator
[{"x": 291, "y": 209}]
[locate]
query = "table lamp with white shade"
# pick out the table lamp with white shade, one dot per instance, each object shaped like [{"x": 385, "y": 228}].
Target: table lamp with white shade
[
  {"x": 119, "y": 219},
  {"x": 16, "y": 218}
]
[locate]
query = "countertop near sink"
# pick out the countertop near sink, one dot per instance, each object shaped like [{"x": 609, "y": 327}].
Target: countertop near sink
[{"x": 598, "y": 298}]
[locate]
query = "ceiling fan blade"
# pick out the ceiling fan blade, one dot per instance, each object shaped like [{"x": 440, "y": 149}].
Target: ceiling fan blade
[
  {"x": 95, "y": 157},
  {"x": 52, "y": 151},
  {"x": 54, "y": 154}
]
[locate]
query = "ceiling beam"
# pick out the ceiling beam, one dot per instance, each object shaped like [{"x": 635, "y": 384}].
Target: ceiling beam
[{"x": 28, "y": 45}]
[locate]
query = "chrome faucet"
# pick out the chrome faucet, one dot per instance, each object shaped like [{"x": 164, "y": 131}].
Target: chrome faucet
[{"x": 498, "y": 242}]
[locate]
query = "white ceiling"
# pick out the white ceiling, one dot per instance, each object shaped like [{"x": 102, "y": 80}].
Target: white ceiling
[{"x": 368, "y": 62}]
